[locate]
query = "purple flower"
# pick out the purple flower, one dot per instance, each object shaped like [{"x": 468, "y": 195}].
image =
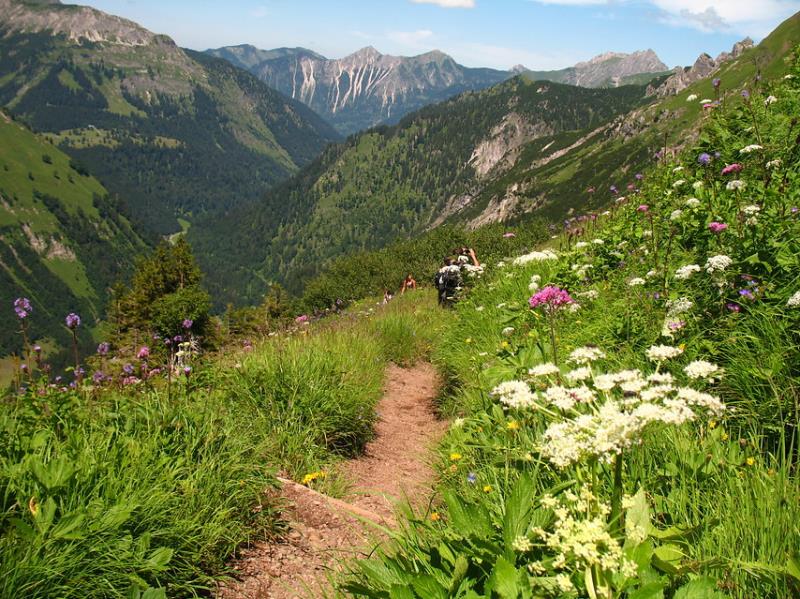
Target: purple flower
[
  {"x": 551, "y": 298},
  {"x": 472, "y": 478},
  {"x": 73, "y": 321},
  {"x": 144, "y": 353},
  {"x": 590, "y": 190},
  {"x": 127, "y": 369},
  {"x": 23, "y": 367},
  {"x": 22, "y": 306},
  {"x": 178, "y": 338},
  {"x": 732, "y": 168},
  {"x": 643, "y": 208},
  {"x": 37, "y": 349},
  {"x": 746, "y": 293},
  {"x": 716, "y": 81},
  {"x": 187, "y": 323},
  {"x": 631, "y": 187},
  {"x": 613, "y": 189},
  {"x": 794, "y": 210},
  {"x": 745, "y": 94},
  {"x": 638, "y": 176},
  {"x": 98, "y": 377},
  {"x": 187, "y": 370},
  {"x": 716, "y": 227},
  {"x": 704, "y": 158},
  {"x": 58, "y": 379},
  {"x": 103, "y": 348},
  {"x": 733, "y": 307}
]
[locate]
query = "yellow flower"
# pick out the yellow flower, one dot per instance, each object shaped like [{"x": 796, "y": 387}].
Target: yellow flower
[
  {"x": 513, "y": 425},
  {"x": 771, "y": 472},
  {"x": 468, "y": 340},
  {"x": 750, "y": 461},
  {"x": 505, "y": 345},
  {"x": 455, "y": 457},
  {"x": 724, "y": 436},
  {"x": 435, "y": 517},
  {"x": 712, "y": 424},
  {"x": 487, "y": 489},
  {"x": 682, "y": 346},
  {"x": 312, "y": 476}
]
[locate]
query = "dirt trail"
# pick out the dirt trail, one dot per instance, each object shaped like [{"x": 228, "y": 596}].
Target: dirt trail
[{"x": 324, "y": 532}]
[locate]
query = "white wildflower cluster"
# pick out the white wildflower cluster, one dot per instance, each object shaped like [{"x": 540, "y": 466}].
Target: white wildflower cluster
[
  {"x": 676, "y": 215},
  {"x": 590, "y": 295},
  {"x": 679, "y": 183},
  {"x": 581, "y": 245},
  {"x": 581, "y": 269},
  {"x": 635, "y": 282},
  {"x": 677, "y": 169},
  {"x": 662, "y": 353},
  {"x": 508, "y": 331},
  {"x": 692, "y": 202},
  {"x": 701, "y": 369},
  {"x": 684, "y": 272},
  {"x": 770, "y": 100},
  {"x": 536, "y": 280},
  {"x": 515, "y": 394},
  {"x": 750, "y": 149},
  {"x": 672, "y": 320},
  {"x": 751, "y": 212},
  {"x": 472, "y": 271},
  {"x": 774, "y": 163},
  {"x": 794, "y": 301},
  {"x": 691, "y": 98},
  {"x": 697, "y": 185},
  {"x": 586, "y": 355},
  {"x": 521, "y": 544},
  {"x": 580, "y": 538},
  {"x": 535, "y": 257},
  {"x": 544, "y": 369},
  {"x": 579, "y": 374},
  {"x": 718, "y": 264},
  {"x": 598, "y": 241},
  {"x": 735, "y": 185}
]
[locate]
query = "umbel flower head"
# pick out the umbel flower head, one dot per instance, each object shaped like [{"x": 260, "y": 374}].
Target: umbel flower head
[{"x": 550, "y": 298}]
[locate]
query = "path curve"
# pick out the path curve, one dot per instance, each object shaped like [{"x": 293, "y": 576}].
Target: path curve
[{"x": 325, "y": 532}]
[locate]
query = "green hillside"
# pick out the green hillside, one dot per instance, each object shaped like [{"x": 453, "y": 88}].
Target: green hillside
[
  {"x": 63, "y": 239},
  {"x": 175, "y": 133}
]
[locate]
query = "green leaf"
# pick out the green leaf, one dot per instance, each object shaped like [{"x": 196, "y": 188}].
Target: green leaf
[
  {"x": 699, "y": 588},
  {"x": 152, "y": 593},
  {"x": 428, "y": 588},
  {"x": 116, "y": 516},
  {"x": 504, "y": 579},
  {"x": 653, "y": 590},
  {"x": 459, "y": 572},
  {"x": 793, "y": 567},
  {"x": 24, "y": 529},
  {"x": 638, "y": 515},
  {"x": 517, "y": 513},
  {"x": 44, "y": 517},
  {"x": 159, "y": 558},
  {"x": 667, "y": 558},
  {"x": 68, "y": 527},
  {"x": 401, "y": 592}
]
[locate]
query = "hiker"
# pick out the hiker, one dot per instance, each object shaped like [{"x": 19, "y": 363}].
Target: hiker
[
  {"x": 387, "y": 296},
  {"x": 409, "y": 283},
  {"x": 466, "y": 255},
  {"x": 448, "y": 282}
]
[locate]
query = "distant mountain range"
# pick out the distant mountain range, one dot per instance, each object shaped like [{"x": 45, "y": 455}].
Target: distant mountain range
[
  {"x": 176, "y": 133},
  {"x": 368, "y": 88}
]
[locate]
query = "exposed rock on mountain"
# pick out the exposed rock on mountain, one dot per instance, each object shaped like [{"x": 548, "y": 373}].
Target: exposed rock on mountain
[
  {"x": 611, "y": 69},
  {"x": 248, "y": 57},
  {"x": 703, "y": 67}
]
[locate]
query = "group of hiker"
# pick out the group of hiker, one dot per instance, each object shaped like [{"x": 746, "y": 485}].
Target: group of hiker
[{"x": 448, "y": 279}]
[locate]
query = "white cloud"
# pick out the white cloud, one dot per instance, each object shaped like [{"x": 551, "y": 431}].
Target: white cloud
[
  {"x": 448, "y": 3},
  {"x": 411, "y": 39}
]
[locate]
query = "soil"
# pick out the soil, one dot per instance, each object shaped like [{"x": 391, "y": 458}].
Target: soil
[{"x": 326, "y": 533}]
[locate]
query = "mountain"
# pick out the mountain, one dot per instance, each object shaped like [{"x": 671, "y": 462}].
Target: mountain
[
  {"x": 397, "y": 181},
  {"x": 367, "y": 88},
  {"x": 611, "y": 69},
  {"x": 518, "y": 150},
  {"x": 176, "y": 133},
  {"x": 63, "y": 239}
]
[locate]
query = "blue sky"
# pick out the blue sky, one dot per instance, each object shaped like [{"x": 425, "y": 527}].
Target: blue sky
[{"x": 541, "y": 34}]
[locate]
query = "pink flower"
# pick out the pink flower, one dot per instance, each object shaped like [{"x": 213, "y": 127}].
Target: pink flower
[
  {"x": 716, "y": 227},
  {"x": 302, "y": 318},
  {"x": 643, "y": 208},
  {"x": 732, "y": 168},
  {"x": 550, "y": 298},
  {"x": 509, "y": 235},
  {"x": 144, "y": 353}
]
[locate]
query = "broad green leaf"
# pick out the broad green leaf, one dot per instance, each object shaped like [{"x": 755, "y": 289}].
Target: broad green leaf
[
  {"x": 428, "y": 588},
  {"x": 68, "y": 527},
  {"x": 504, "y": 579},
  {"x": 459, "y": 572},
  {"x": 667, "y": 558},
  {"x": 154, "y": 594},
  {"x": 517, "y": 513},
  {"x": 638, "y": 515},
  {"x": 699, "y": 588},
  {"x": 159, "y": 558},
  {"x": 116, "y": 516},
  {"x": 401, "y": 592},
  {"x": 653, "y": 590},
  {"x": 793, "y": 567},
  {"x": 24, "y": 529}
]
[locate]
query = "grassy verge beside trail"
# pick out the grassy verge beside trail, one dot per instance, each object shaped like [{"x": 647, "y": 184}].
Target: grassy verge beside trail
[
  {"x": 139, "y": 493},
  {"x": 629, "y": 401}
]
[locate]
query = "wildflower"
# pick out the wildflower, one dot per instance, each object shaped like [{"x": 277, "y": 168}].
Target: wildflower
[
  {"x": 591, "y": 294},
  {"x": 303, "y": 318},
  {"x": 468, "y": 340},
  {"x": 697, "y": 185},
  {"x": 716, "y": 82},
  {"x": 508, "y": 331},
  {"x": 581, "y": 245},
  {"x": 513, "y": 425},
  {"x": 717, "y": 264},
  {"x": 98, "y": 377},
  {"x": 692, "y": 202},
  {"x": 509, "y": 235},
  {"x": 187, "y": 370},
  {"x": 691, "y": 97},
  {"x": 745, "y": 94},
  {"x": 733, "y": 307},
  {"x": 704, "y": 158},
  {"x": 551, "y": 298},
  {"x": 22, "y": 307},
  {"x": 579, "y": 374},
  {"x": 678, "y": 183},
  {"x": 144, "y": 353},
  {"x": 73, "y": 321},
  {"x": 746, "y": 293},
  {"x": 514, "y": 394},
  {"x": 103, "y": 348},
  {"x": 586, "y": 355},
  {"x": 312, "y": 476},
  {"x": 454, "y": 457},
  {"x": 717, "y": 227},
  {"x": 732, "y": 168},
  {"x": 545, "y": 369},
  {"x": 684, "y": 272},
  {"x": 794, "y": 301},
  {"x": 435, "y": 517},
  {"x": 724, "y": 436},
  {"x": 751, "y": 148},
  {"x": 472, "y": 478},
  {"x": 643, "y": 208},
  {"x": 521, "y": 544},
  {"x": 750, "y": 461},
  {"x": 487, "y": 488},
  {"x": 735, "y": 185},
  {"x": 187, "y": 323},
  {"x": 676, "y": 215},
  {"x": 700, "y": 369},
  {"x": 638, "y": 176},
  {"x": 635, "y": 282},
  {"x": 535, "y": 257},
  {"x": 661, "y": 353},
  {"x": 774, "y": 163}
]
